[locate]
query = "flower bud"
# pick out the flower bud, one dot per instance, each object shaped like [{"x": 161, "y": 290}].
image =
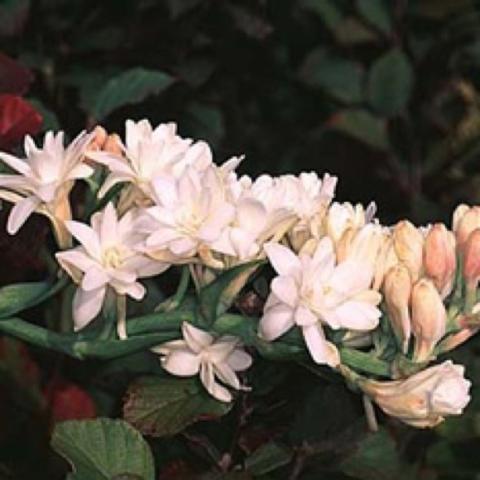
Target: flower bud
[
  {"x": 397, "y": 289},
  {"x": 424, "y": 399},
  {"x": 429, "y": 319},
  {"x": 465, "y": 221},
  {"x": 471, "y": 260},
  {"x": 408, "y": 244},
  {"x": 387, "y": 258},
  {"x": 98, "y": 138},
  {"x": 439, "y": 260},
  {"x": 113, "y": 144}
]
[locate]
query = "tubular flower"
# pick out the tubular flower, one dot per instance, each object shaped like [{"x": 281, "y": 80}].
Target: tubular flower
[
  {"x": 424, "y": 399},
  {"x": 44, "y": 180},
  {"x": 312, "y": 291},
  {"x": 106, "y": 257},
  {"x": 149, "y": 153},
  {"x": 200, "y": 353}
]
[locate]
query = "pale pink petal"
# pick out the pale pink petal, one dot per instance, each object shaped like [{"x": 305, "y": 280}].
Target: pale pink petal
[
  {"x": 283, "y": 260},
  {"x": 77, "y": 258},
  {"x": 355, "y": 315},
  {"x": 196, "y": 339},
  {"x": 219, "y": 351},
  {"x": 86, "y": 306},
  {"x": 225, "y": 373},
  {"x": 183, "y": 246},
  {"x": 239, "y": 360},
  {"x": 82, "y": 170},
  {"x": 276, "y": 321},
  {"x": 86, "y": 236},
  {"x": 304, "y": 316},
  {"x": 16, "y": 163},
  {"x": 108, "y": 226},
  {"x": 215, "y": 389},
  {"x": 20, "y": 213},
  {"x": 135, "y": 290},
  {"x": 322, "y": 352},
  {"x": 14, "y": 182},
  {"x": 94, "y": 278},
  {"x": 181, "y": 362},
  {"x": 165, "y": 190},
  {"x": 286, "y": 290},
  {"x": 112, "y": 180},
  {"x": 351, "y": 277}
]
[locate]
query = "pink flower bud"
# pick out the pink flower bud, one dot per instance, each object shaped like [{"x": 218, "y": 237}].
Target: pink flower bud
[
  {"x": 424, "y": 399},
  {"x": 429, "y": 319},
  {"x": 465, "y": 221},
  {"x": 439, "y": 260},
  {"x": 471, "y": 259},
  {"x": 397, "y": 288},
  {"x": 408, "y": 244}
]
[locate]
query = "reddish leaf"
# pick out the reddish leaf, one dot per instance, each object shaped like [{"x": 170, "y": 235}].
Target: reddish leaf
[
  {"x": 14, "y": 78},
  {"x": 17, "y": 119},
  {"x": 68, "y": 401}
]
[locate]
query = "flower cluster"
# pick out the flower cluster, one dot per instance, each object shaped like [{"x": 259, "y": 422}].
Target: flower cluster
[{"x": 399, "y": 295}]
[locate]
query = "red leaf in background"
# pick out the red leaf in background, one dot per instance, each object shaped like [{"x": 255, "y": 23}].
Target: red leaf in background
[
  {"x": 14, "y": 78},
  {"x": 68, "y": 401},
  {"x": 17, "y": 118}
]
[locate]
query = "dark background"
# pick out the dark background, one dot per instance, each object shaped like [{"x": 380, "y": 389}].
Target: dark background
[{"x": 381, "y": 93}]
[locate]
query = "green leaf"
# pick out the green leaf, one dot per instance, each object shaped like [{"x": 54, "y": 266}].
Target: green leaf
[
  {"x": 376, "y": 13},
  {"x": 376, "y": 458},
  {"x": 362, "y": 126},
  {"x": 20, "y": 296},
  {"x": 350, "y": 31},
  {"x": 327, "y": 10},
  {"x": 132, "y": 86},
  {"x": 50, "y": 119},
  {"x": 337, "y": 76},
  {"x": 165, "y": 406},
  {"x": 218, "y": 295},
  {"x": 103, "y": 449},
  {"x": 267, "y": 458},
  {"x": 390, "y": 83},
  {"x": 206, "y": 121}
]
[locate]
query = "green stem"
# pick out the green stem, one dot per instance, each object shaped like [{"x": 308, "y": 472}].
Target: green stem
[
  {"x": 364, "y": 362},
  {"x": 159, "y": 322},
  {"x": 174, "y": 302}
]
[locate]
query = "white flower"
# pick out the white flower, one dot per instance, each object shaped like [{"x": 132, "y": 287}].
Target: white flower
[
  {"x": 190, "y": 214},
  {"x": 45, "y": 178},
  {"x": 424, "y": 399},
  {"x": 311, "y": 291},
  {"x": 107, "y": 256},
  {"x": 199, "y": 352},
  {"x": 149, "y": 153}
]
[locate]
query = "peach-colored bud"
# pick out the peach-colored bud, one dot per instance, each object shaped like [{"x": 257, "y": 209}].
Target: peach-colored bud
[
  {"x": 387, "y": 258},
  {"x": 98, "y": 139},
  {"x": 397, "y": 288},
  {"x": 113, "y": 144},
  {"x": 439, "y": 259},
  {"x": 408, "y": 244},
  {"x": 465, "y": 221},
  {"x": 429, "y": 319},
  {"x": 424, "y": 399},
  {"x": 471, "y": 260}
]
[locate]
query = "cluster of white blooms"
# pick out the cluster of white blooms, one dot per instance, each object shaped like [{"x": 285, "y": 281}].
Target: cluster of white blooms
[{"x": 335, "y": 264}]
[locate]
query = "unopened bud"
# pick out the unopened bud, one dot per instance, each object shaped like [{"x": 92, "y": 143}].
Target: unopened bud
[
  {"x": 397, "y": 288},
  {"x": 113, "y": 144},
  {"x": 425, "y": 398},
  {"x": 387, "y": 258},
  {"x": 408, "y": 244},
  {"x": 439, "y": 259},
  {"x": 99, "y": 137},
  {"x": 429, "y": 319},
  {"x": 465, "y": 221},
  {"x": 471, "y": 260}
]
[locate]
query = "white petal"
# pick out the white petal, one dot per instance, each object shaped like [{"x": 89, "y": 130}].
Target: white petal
[
  {"x": 357, "y": 315},
  {"x": 165, "y": 190},
  {"x": 196, "y": 339},
  {"x": 283, "y": 260},
  {"x": 111, "y": 181},
  {"x": 94, "y": 278},
  {"x": 86, "y": 306},
  {"x": 82, "y": 170},
  {"x": 214, "y": 388},
  {"x": 276, "y": 321},
  {"x": 285, "y": 289},
  {"x": 16, "y": 164},
  {"x": 239, "y": 360},
  {"x": 20, "y": 213},
  {"x": 135, "y": 290},
  {"x": 225, "y": 373},
  {"x": 322, "y": 352},
  {"x": 86, "y": 236},
  {"x": 181, "y": 362},
  {"x": 108, "y": 226},
  {"x": 304, "y": 316}
]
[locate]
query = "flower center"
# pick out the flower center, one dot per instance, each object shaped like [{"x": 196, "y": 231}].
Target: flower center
[{"x": 112, "y": 257}]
